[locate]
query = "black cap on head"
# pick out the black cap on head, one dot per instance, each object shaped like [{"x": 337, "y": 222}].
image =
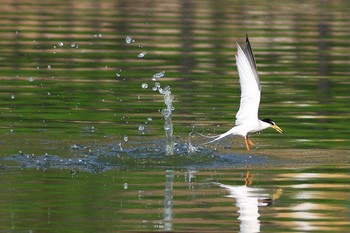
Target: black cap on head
[{"x": 271, "y": 122}]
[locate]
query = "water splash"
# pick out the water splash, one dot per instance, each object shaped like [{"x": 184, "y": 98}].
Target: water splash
[
  {"x": 158, "y": 75},
  {"x": 141, "y": 129},
  {"x": 129, "y": 40},
  {"x": 141, "y": 55},
  {"x": 167, "y": 114}
]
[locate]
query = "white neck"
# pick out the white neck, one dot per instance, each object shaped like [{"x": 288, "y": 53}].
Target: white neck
[{"x": 264, "y": 125}]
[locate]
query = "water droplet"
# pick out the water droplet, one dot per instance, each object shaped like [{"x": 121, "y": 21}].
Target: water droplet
[
  {"x": 125, "y": 185},
  {"x": 72, "y": 45},
  {"x": 60, "y": 44},
  {"x": 117, "y": 75},
  {"x": 13, "y": 97},
  {"x": 141, "y": 128},
  {"x": 149, "y": 119},
  {"x": 158, "y": 75},
  {"x": 126, "y": 138},
  {"x": 166, "y": 113},
  {"x": 141, "y": 55},
  {"x": 49, "y": 67},
  {"x": 129, "y": 40},
  {"x": 100, "y": 35},
  {"x": 30, "y": 79},
  {"x": 144, "y": 85}
]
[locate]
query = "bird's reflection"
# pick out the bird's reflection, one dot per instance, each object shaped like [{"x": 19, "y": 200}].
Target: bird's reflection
[{"x": 249, "y": 200}]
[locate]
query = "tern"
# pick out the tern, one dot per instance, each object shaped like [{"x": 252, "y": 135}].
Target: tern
[{"x": 247, "y": 120}]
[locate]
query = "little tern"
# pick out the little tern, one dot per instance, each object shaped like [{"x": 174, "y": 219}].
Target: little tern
[{"x": 247, "y": 120}]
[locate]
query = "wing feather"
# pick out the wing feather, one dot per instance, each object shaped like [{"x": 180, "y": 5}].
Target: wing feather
[{"x": 250, "y": 85}]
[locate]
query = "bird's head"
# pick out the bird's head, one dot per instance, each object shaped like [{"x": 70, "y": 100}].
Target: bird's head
[{"x": 273, "y": 125}]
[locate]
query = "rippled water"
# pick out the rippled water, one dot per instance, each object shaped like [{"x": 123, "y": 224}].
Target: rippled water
[
  {"x": 82, "y": 130},
  {"x": 245, "y": 200}
]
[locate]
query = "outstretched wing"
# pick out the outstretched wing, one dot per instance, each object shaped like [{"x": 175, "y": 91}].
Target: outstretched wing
[{"x": 250, "y": 84}]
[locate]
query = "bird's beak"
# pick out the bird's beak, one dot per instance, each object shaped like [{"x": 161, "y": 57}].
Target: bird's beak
[{"x": 278, "y": 129}]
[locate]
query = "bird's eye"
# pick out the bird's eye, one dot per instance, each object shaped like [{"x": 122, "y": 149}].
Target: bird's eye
[{"x": 273, "y": 123}]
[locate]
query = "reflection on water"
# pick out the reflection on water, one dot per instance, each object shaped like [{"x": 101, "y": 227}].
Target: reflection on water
[
  {"x": 313, "y": 199},
  {"x": 249, "y": 199},
  {"x": 168, "y": 200}
]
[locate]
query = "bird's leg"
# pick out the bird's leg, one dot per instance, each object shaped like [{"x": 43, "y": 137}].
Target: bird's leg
[
  {"x": 250, "y": 142},
  {"x": 246, "y": 142}
]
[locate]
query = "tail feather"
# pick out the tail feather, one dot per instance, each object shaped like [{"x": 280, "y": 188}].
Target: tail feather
[{"x": 231, "y": 131}]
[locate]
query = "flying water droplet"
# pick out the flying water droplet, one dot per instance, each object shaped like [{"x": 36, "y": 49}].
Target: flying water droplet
[
  {"x": 166, "y": 113},
  {"x": 60, "y": 44},
  {"x": 129, "y": 40},
  {"x": 144, "y": 85},
  {"x": 72, "y": 45},
  {"x": 126, "y": 138},
  {"x": 49, "y": 67},
  {"x": 141, "y": 55},
  {"x": 141, "y": 128},
  {"x": 13, "y": 97},
  {"x": 30, "y": 79},
  {"x": 158, "y": 75},
  {"x": 117, "y": 75}
]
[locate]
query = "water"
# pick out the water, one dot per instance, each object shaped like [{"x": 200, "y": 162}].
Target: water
[
  {"x": 141, "y": 55},
  {"x": 158, "y": 75},
  {"x": 278, "y": 200},
  {"x": 168, "y": 123},
  {"x": 84, "y": 137}
]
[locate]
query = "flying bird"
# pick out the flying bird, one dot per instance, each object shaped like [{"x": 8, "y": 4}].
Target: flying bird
[{"x": 247, "y": 120}]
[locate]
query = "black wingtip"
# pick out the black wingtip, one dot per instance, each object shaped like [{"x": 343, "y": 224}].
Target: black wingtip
[{"x": 246, "y": 38}]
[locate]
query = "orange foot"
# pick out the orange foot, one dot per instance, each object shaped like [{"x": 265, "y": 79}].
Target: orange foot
[{"x": 248, "y": 142}]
